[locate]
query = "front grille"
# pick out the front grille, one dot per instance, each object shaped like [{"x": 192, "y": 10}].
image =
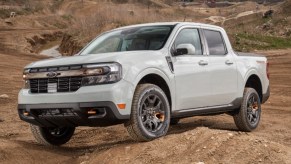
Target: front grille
[
  {"x": 63, "y": 84},
  {"x": 58, "y": 68},
  {"x": 54, "y": 113}
]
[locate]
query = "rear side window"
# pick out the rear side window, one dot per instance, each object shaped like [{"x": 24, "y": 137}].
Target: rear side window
[{"x": 215, "y": 42}]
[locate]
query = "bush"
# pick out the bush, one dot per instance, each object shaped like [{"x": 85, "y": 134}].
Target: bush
[{"x": 5, "y": 13}]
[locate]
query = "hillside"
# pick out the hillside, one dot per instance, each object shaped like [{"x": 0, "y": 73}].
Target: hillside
[
  {"x": 77, "y": 22},
  {"x": 40, "y": 25}
]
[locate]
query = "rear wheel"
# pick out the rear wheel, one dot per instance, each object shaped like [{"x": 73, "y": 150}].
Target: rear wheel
[
  {"x": 52, "y": 136},
  {"x": 248, "y": 116},
  {"x": 150, "y": 115}
]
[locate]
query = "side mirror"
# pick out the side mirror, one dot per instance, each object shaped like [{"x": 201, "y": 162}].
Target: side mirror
[{"x": 184, "y": 49}]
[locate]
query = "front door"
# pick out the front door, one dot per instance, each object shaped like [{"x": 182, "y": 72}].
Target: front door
[{"x": 191, "y": 72}]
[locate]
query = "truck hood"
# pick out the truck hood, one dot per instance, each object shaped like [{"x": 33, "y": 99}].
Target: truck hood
[{"x": 91, "y": 58}]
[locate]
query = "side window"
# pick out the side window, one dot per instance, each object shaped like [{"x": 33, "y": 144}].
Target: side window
[
  {"x": 189, "y": 36},
  {"x": 215, "y": 42}
]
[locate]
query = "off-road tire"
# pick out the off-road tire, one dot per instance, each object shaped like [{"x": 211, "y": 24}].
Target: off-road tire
[
  {"x": 241, "y": 117},
  {"x": 135, "y": 126},
  {"x": 43, "y": 135}
]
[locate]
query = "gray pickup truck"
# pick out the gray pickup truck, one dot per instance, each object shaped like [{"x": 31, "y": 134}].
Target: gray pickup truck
[{"x": 146, "y": 76}]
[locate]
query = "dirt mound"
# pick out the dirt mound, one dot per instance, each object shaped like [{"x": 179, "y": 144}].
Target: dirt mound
[
  {"x": 12, "y": 152},
  {"x": 199, "y": 145},
  {"x": 244, "y": 17},
  {"x": 216, "y": 19}
]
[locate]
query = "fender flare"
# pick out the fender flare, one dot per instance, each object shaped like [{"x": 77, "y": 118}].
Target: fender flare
[
  {"x": 250, "y": 73},
  {"x": 149, "y": 71}
]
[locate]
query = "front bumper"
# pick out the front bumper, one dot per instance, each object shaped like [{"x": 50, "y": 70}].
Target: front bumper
[
  {"x": 118, "y": 93},
  {"x": 71, "y": 108},
  {"x": 71, "y": 114}
]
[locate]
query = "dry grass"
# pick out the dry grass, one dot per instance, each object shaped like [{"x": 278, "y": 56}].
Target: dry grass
[
  {"x": 105, "y": 16},
  {"x": 108, "y": 15}
]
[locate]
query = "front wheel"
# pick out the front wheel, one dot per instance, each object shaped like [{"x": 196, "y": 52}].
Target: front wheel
[
  {"x": 52, "y": 136},
  {"x": 150, "y": 113},
  {"x": 249, "y": 114}
]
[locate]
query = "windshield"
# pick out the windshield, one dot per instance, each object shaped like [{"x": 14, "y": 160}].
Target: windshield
[{"x": 130, "y": 39}]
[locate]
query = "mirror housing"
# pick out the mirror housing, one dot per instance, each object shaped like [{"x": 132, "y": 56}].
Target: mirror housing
[{"x": 184, "y": 49}]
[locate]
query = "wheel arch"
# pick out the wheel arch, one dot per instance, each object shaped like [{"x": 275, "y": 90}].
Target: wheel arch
[
  {"x": 254, "y": 81},
  {"x": 158, "y": 78}
]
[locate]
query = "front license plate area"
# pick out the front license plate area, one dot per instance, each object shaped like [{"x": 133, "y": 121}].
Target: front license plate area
[{"x": 52, "y": 87}]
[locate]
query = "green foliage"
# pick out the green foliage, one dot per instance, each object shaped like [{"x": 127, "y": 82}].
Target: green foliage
[
  {"x": 29, "y": 7},
  {"x": 67, "y": 17},
  {"x": 5, "y": 13},
  {"x": 247, "y": 42}
]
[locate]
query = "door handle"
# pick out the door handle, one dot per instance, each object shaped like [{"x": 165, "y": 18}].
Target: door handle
[
  {"x": 229, "y": 62},
  {"x": 203, "y": 62}
]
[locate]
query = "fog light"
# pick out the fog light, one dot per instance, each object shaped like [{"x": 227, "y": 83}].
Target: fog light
[
  {"x": 121, "y": 106},
  {"x": 26, "y": 113},
  {"x": 91, "y": 112}
]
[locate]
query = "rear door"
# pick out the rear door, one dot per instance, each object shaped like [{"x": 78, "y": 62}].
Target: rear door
[
  {"x": 191, "y": 71},
  {"x": 222, "y": 68}
]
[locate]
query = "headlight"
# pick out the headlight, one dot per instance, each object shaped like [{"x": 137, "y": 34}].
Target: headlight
[
  {"x": 25, "y": 72},
  {"x": 101, "y": 74},
  {"x": 26, "y": 82}
]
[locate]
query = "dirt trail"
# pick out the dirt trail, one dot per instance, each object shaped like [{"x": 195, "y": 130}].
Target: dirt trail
[
  {"x": 211, "y": 139},
  {"x": 199, "y": 145}
]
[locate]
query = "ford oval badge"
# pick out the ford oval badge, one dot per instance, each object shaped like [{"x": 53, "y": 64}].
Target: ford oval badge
[{"x": 52, "y": 74}]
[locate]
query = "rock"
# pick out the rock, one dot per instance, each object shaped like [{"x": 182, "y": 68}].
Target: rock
[
  {"x": 230, "y": 134},
  {"x": 127, "y": 148},
  {"x": 199, "y": 163},
  {"x": 204, "y": 147},
  {"x": 265, "y": 145},
  {"x": 268, "y": 13},
  {"x": 4, "y": 96},
  {"x": 188, "y": 137},
  {"x": 279, "y": 151}
]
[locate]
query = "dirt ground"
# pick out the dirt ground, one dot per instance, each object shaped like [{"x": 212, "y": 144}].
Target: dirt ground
[{"x": 208, "y": 139}]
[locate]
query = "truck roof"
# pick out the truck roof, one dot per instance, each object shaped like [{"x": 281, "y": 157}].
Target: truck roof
[{"x": 171, "y": 23}]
